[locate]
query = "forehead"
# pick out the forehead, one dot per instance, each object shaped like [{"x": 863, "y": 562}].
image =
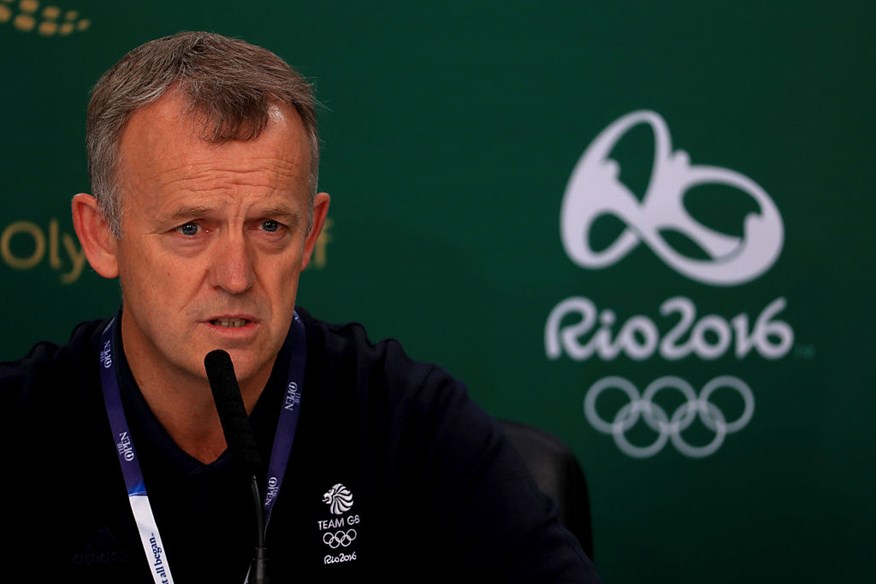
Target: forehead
[{"x": 164, "y": 146}]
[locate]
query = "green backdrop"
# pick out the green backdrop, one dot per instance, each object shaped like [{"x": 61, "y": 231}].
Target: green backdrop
[{"x": 643, "y": 226}]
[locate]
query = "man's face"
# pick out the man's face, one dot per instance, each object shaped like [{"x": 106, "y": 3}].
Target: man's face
[{"x": 213, "y": 242}]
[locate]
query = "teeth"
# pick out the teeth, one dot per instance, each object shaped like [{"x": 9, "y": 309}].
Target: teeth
[{"x": 230, "y": 322}]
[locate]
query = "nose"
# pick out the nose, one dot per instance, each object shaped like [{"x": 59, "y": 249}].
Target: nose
[{"x": 233, "y": 264}]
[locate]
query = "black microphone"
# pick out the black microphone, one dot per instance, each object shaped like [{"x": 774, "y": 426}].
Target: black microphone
[{"x": 241, "y": 443}]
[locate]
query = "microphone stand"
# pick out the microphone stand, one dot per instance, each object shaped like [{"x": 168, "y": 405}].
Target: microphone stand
[
  {"x": 241, "y": 443},
  {"x": 259, "y": 568}
]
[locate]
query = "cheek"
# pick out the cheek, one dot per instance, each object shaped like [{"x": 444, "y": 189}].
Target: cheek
[
  {"x": 285, "y": 267},
  {"x": 155, "y": 277},
  {"x": 286, "y": 278}
]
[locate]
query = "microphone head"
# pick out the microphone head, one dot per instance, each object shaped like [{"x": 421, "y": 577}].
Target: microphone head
[
  {"x": 220, "y": 373},
  {"x": 232, "y": 414},
  {"x": 218, "y": 361}
]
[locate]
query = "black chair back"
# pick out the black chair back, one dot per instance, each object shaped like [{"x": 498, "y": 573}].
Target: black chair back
[{"x": 558, "y": 473}]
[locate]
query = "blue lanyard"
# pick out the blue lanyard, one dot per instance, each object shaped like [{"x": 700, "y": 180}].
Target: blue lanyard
[{"x": 137, "y": 497}]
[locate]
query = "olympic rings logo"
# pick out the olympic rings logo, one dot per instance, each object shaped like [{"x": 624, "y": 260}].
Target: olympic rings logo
[
  {"x": 668, "y": 427},
  {"x": 339, "y": 538}
]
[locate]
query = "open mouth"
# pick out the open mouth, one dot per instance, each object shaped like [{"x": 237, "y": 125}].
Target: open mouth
[{"x": 230, "y": 322}]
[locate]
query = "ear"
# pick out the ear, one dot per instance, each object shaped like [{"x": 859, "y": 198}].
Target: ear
[
  {"x": 95, "y": 236},
  {"x": 320, "y": 211}
]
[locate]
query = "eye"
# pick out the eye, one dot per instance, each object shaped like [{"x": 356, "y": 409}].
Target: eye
[
  {"x": 270, "y": 225},
  {"x": 189, "y": 229}
]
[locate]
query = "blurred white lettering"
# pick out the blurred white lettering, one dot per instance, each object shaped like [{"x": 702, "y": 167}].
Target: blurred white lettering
[{"x": 639, "y": 337}]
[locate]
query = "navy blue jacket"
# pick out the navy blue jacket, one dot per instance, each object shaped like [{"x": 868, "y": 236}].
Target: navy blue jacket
[{"x": 433, "y": 490}]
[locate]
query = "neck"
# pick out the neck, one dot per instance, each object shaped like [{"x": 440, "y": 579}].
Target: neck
[
  {"x": 189, "y": 418},
  {"x": 183, "y": 404}
]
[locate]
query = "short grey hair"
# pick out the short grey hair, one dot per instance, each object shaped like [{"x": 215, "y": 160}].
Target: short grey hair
[{"x": 228, "y": 81}]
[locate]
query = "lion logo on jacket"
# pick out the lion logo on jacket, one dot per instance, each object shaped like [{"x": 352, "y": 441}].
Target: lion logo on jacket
[{"x": 339, "y": 499}]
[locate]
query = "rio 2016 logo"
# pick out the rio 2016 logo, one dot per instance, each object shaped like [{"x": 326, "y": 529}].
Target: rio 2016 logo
[{"x": 595, "y": 190}]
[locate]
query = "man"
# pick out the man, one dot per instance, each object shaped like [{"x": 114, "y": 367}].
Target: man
[{"x": 203, "y": 152}]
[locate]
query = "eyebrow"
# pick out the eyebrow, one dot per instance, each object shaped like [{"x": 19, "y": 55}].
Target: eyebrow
[
  {"x": 189, "y": 212},
  {"x": 200, "y": 211},
  {"x": 281, "y": 211}
]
